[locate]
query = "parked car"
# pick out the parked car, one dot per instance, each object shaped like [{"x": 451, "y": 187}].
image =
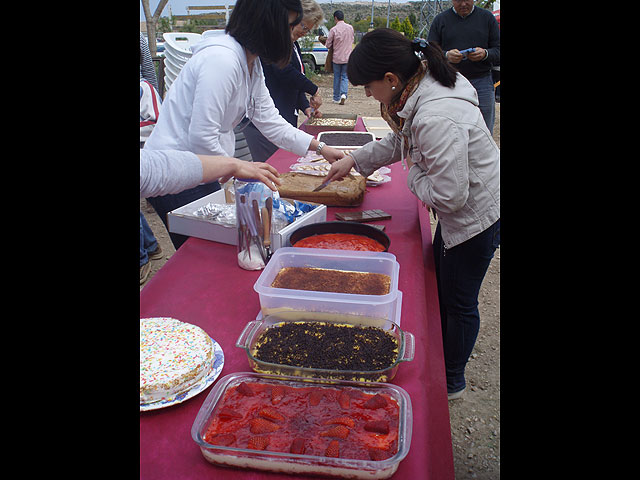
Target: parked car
[
  {"x": 160, "y": 47},
  {"x": 314, "y": 52}
]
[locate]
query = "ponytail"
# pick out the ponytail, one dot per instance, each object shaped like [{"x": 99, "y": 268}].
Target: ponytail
[
  {"x": 385, "y": 50},
  {"x": 437, "y": 63}
]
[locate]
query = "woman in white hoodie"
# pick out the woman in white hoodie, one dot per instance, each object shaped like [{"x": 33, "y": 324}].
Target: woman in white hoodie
[
  {"x": 222, "y": 84},
  {"x": 454, "y": 163}
]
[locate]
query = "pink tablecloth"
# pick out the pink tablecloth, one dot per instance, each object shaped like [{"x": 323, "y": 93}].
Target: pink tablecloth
[{"x": 202, "y": 284}]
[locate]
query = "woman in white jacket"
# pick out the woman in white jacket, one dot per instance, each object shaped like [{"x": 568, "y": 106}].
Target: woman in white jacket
[
  {"x": 454, "y": 163},
  {"x": 222, "y": 84}
]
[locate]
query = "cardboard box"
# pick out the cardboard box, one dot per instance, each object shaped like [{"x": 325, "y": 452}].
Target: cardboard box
[{"x": 182, "y": 221}]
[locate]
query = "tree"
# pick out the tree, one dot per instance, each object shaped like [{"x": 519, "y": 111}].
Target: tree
[
  {"x": 407, "y": 28},
  {"x": 414, "y": 21},
  {"x": 152, "y": 21},
  {"x": 395, "y": 24}
]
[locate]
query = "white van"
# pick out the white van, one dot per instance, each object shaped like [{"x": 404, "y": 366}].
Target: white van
[{"x": 314, "y": 55}]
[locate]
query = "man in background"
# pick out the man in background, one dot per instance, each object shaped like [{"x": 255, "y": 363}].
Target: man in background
[
  {"x": 341, "y": 39},
  {"x": 467, "y": 27}
]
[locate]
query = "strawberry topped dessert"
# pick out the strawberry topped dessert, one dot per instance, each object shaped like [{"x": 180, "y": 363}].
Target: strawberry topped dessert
[{"x": 325, "y": 421}]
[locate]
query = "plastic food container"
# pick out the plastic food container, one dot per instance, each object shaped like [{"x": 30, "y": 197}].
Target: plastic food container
[
  {"x": 302, "y": 464},
  {"x": 253, "y": 330},
  {"x": 274, "y": 301}
]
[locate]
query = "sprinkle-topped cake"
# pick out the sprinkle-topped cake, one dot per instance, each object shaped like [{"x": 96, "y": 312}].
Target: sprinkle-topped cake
[{"x": 174, "y": 356}]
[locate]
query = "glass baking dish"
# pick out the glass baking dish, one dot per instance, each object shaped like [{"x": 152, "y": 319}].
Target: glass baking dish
[
  {"x": 253, "y": 330},
  {"x": 302, "y": 464}
]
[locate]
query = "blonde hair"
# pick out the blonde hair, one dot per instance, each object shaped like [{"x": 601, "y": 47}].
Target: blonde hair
[{"x": 312, "y": 11}]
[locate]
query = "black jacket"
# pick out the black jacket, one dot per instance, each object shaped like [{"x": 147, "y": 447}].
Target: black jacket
[{"x": 288, "y": 86}]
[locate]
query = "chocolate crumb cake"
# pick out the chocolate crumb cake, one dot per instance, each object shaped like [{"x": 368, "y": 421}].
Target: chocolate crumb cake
[
  {"x": 336, "y": 281},
  {"x": 327, "y": 345}
]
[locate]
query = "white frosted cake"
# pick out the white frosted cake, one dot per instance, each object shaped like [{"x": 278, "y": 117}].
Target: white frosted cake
[{"x": 174, "y": 356}]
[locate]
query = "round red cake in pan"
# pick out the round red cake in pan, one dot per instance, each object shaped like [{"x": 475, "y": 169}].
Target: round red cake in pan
[{"x": 341, "y": 236}]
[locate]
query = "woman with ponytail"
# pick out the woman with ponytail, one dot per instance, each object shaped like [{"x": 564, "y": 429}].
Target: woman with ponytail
[{"x": 454, "y": 169}]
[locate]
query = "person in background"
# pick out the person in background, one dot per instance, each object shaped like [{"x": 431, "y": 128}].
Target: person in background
[
  {"x": 172, "y": 171},
  {"x": 466, "y": 26},
  {"x": 341, "y": 39},
  {"x": 150, "y": 102},
  {"x": 454, "y": 169},
  {"x": 288, "y": 86},
  {"x": 147, "y": 70},
  {"x": 221, "y": 84}
]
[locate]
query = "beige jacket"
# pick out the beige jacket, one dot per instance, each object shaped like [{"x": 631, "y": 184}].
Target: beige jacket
[{"x": 456, "y": 167}]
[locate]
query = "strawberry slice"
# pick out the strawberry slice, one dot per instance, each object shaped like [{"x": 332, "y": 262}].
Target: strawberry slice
[
  {"x": 378, "y": 454},
  {"x": 339, "y": 431},
  {"x": 346, "y": 421},
  {"x": 377, "y": 426},
  {"x": 272, "y": 414},
  {"x": 333, "y": 450},
  {"x": 277, "y": 394},
  {"x": 258, "y": 443},
  {"x": 315, "y": 396},
  {"x": 224, "y": 439},
  {"x": 262, "y": 425},
  {"x": 245, "y": 389},
  {"x": 344, "y": 400},
  {"x": 297, "y": 446},
  {"x": 377, "y": 401},
  {"x": 227, "y": 413}
]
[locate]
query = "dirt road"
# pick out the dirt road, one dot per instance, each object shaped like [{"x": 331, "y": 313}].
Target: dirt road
[{"x": 475, "y": 419}]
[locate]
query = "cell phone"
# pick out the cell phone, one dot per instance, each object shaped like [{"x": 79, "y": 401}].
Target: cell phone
[{"x": 472, "y": 49}]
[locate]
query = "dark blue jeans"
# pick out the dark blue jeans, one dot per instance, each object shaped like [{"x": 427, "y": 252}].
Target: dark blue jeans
[
  {"x": 148, "y": 242},
  {"x": 166, "y": 203},
  {"x": 459, "y": 273},
  {"x": 486, "y": 98},
  {"x": 340, "y": 81}
]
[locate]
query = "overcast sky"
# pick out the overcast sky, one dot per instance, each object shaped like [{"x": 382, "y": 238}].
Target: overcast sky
[{"x": 179, "y": 7}]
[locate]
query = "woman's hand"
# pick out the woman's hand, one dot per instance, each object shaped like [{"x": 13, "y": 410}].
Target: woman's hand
[
  {"x": 331, "y": 154},
  {"x": 316, "y": 101},
  {"x": 340, "y": 168},
  {"x": 311, "y": 113},
  {"x": 213, "y": 166}
]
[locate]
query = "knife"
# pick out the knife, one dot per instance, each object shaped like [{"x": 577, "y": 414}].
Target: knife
[
  {"x": 322, "y": 185},
  {"x": 267, "y": 211},
  {"x": 258, "y": 235}
]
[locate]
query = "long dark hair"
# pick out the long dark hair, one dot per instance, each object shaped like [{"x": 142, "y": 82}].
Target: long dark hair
[
  {"x": 384, "y": 50},
  {"x": 262, "y": 26}
]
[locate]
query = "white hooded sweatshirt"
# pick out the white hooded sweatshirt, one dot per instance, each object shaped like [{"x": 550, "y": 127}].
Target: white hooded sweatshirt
[{"x": 210, "y": 96}]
